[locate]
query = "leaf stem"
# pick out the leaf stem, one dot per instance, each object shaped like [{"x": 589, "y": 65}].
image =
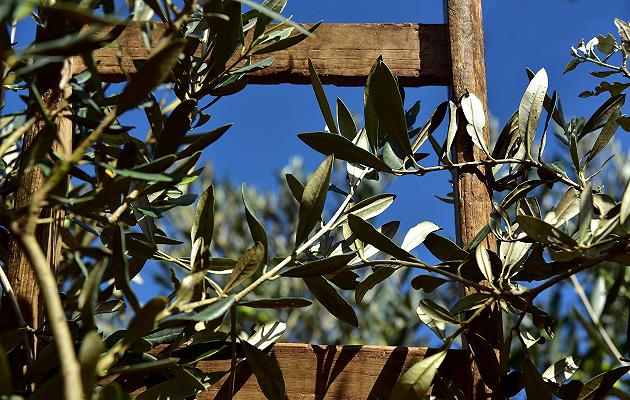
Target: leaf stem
[
  {"x": 491, "y": 163},
  {"x": 436, "y": 270},
  {"x": 579, "y": 290}
]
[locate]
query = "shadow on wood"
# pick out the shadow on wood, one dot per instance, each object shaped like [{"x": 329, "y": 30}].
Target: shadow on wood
[{"x": 316, "y": 372}]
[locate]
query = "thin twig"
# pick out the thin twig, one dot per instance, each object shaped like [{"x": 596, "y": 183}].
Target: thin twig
[
  {"x": 490, "y": 162},
  {"x": 288, "y": 260},
  {"x": 440, "y": 271},
  {"x": 579, "y": 290}
]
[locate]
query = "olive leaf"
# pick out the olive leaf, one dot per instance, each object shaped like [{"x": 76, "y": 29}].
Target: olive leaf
[
  {"x": 530, "y": 108},
  {"x": 368, "y": 234},
  {"x": 388, "y": 105},
  {"x": 472, "y": 108},
  {"x": 156, "y": 69},
  {"x": 246, "y": 266},
  {"x": 266, "y": 370},
  {"x": 312, "y": 201},
  {"x": 331, "y": 300},
  {"x": 416, "y": 381}
]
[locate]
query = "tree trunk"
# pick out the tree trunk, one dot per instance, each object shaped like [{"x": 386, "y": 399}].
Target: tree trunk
[{"x": 49, "y": 83}]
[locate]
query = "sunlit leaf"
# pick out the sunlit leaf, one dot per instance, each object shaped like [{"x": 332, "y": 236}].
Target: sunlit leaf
[
  {"x": 246, "y": 266},
  {"x": 476, "y": 117},
  {"x": 368, "y": 234},
  {"x": 562, "y": 370},
  {"x": 417, "y": 234},
  {"x": 388, "y": 105},
  {"x": 530, "y": 108},
  {"x": 416, "y": 381}
]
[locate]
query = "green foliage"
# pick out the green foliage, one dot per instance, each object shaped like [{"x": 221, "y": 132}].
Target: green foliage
[{"x": 126, "y": 207}]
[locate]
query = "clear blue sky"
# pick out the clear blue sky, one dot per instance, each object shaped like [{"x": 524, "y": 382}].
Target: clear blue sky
[{"x": 519, "y": 34}]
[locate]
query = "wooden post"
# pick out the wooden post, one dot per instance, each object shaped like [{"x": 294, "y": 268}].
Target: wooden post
[
  {"x": 473, "y": 196},
  {"x": 20, "y": 274}
]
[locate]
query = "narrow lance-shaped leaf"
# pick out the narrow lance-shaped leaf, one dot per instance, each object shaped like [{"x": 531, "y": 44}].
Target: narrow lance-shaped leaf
[
  {"x": 368, "y": 234},
  {"x": 372, "y": 280},
  {"x": 369, "y": 208},
  {"x": 561, "y": 370},
  {"x": 121, "y": 266},
  {"x": 476, "y": 117},
  {"x": 624, "y": 212},
  {"x": 255, "y": 226},
  {"x": 535, "y": 386},
  {"x": 176, "y": 126},
  {"x": 607, "y": 133},
  {"x": 152, "y": 73},
  {"x": 283, "y": 302},
  {"x": 598, "y": 387},
  {"x": 266, "y": 370},
  {"x": 211, "y": 312},
  {"x": 295, "y": 186},
  {"x": 264, "y": 20},
  {"x": 331, "y": 300},
  {"x": 427, "y": 283},
  {"x": 586, "y": 212},
  {"x": 347, "y": 126},
  {"x": 246, "y": 266},
  {"x": 543, "y": 139},
  {"x": 452, "y": 130},
  {"x": 443, "y": 249},
  {"x": 287, "y": 42},
  {"x": 342, "y": 149},
  {"x": 369, "y": 114},
  {"x": 388, "y": 105},
  {"x": 313, "y": 198},
  {"x": 530, "y": 108},
  {"x": 483, "y": 262},
  {"x": 203, "y": 224},
  {"x": 322, "y": 100},
  {"x": 416, "y": 235},
  {"x": 602, "y": 114},
  {"x": 437, "y": 312},
  {"x": 416, "y": 381},
  {"x": 274, "y": 15}
]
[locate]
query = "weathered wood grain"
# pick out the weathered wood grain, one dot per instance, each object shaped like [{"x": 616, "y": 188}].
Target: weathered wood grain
[
  {"x": 473, "y": 196},
  {"x": 342, "y": 54},
  {"x": 313, "y": 372}
]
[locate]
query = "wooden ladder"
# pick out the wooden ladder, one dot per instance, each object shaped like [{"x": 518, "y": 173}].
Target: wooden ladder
[{"x": 450, "y": 54}]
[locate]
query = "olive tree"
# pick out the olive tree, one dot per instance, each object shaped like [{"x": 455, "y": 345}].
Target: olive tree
[{"x": 112, "y": 190}]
